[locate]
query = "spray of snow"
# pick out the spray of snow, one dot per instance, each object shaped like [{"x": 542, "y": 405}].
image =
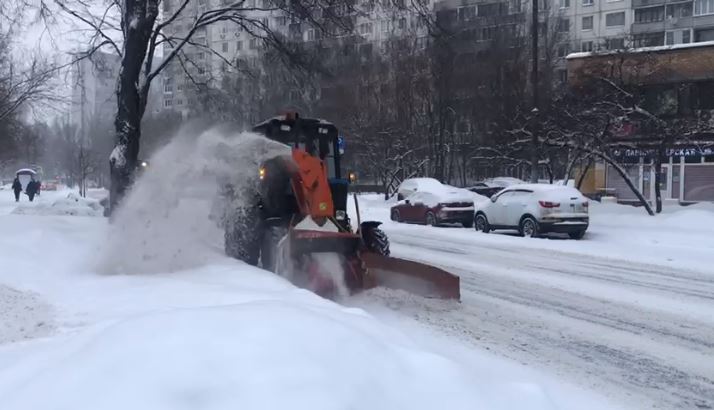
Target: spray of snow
[
  {"x": 165, "y": 223},
  {"x": 117, "y": 156},
  {"x": 331, "y": 265}
]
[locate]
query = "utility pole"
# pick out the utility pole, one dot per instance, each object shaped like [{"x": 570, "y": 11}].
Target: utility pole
[{"x": 534, "y": 85}]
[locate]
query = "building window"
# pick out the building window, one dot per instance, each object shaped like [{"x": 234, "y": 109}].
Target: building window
[
  {"x": 280, "y": 21},
  {"x": 365, "y": 28},
  {"x": 679, "y": 10},
  {"x": 588, "y": 23},
  {"x": 179, "y": 102},
  {"x": 402, "y": 24},
  {"x": 649, "y": 15},
  {"x": 168, "y": 103},
  {"x": 586, "y": 46},
  {"x": 648, "y": 40},
  {"x": 564, "y": 4},
  {"x": 563, "y": 76},
  {"x": 615, "y": 43},
  {"x": 385, "y": 25},
  {"x": 563, "y": 50},
  {"x": 239, "y": 45},
  {"x": 491, "y": 10},
  {"x": 615, "y": 19},
  {"x": 563, "y": 25},
  {"x": 311, "y": 35},
  {"x": 467, "y": 13},
  {"x": 253, "y": 43},
  {"x": 704, "y": 35},
  {"x": 678, "y": 37},
  {"x": 588, "y": 2},
  {"x": 224, "y": 47},
  {"x": 702, "y": 7},
  {"x": 201, "y": 70},
  {"x": 201, "y": 56}
]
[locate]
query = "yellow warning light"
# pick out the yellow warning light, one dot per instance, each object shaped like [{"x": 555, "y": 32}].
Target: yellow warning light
[
  {"x": 323, "y": 206},
  {"x": 261, "y": 172}
]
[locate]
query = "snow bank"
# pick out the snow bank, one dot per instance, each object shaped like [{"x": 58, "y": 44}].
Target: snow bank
[
  {"x": 23, "y": 315},
  {"x": 72, "y": 204},
  {"x": 262, "y": 355}
]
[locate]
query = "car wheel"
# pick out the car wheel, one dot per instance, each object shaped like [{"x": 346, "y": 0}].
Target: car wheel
[
  {"x": 576, "y": 234},
  {"x": 481, "y": 224},
  {"x": 529, "y": 227},
  {"x": 431, "y": 219},
  {"x": 396, "y": 216}
]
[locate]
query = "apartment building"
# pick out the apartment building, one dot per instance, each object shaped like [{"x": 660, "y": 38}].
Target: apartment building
[
  {"x": 667, "y": 22},
  {"x": 589, "y": 25},
  {"x": 93, "y": 89}
]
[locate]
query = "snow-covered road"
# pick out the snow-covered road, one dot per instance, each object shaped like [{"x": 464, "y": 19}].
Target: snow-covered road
[{"x": 640, "y": 333}]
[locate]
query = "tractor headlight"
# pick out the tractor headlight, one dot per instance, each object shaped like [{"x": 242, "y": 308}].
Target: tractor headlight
[
  {"x": 261, "y": 172},
  {"x": 340, "y": 215}
]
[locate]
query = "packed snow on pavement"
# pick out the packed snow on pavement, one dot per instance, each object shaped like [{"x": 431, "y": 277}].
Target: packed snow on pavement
[
  {"x": 628, "y": 311},
  {"x": 198, "y": 330}
]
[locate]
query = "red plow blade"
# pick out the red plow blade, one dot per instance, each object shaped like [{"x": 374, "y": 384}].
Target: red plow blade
[{"x": 410, "y": 276}]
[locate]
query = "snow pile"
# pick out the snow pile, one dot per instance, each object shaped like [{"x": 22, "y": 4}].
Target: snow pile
[
  {"x": 71, "y": 204},
  {"x": 23, "y": 315},
  {"x": 165, "y": 223}
]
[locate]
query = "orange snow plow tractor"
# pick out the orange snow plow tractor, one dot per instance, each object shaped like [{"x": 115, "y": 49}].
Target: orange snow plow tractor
[{"x": 298, "y": 225}]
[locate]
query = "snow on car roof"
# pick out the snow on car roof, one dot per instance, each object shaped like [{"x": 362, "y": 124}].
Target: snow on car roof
[{"x": 542, "y": 187}]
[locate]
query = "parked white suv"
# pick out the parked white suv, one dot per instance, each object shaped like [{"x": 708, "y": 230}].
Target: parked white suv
[{"x": 534, "y": 209}]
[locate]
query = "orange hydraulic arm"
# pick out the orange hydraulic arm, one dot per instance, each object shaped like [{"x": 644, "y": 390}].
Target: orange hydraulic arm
[{"x": 312, "y": 191}]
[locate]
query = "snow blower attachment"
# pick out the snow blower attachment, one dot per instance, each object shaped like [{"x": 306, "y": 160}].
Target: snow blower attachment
[{"x": 298, "y": 225}]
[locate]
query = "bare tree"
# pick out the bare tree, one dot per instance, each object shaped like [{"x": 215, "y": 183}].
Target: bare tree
[{"x": 141, "y": 27}]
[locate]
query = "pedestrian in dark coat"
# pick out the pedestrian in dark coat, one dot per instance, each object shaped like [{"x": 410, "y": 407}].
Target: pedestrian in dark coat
[
  {"x": 17, "y": 188},
  {"x": 31, "y": 189}
]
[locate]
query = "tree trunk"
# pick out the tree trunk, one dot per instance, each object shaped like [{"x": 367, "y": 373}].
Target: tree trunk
[
  {"x": 573, "y": 157},
  {"x": 584, "y": 172},
  {"x": 629, "y": 183},
  {"x": 658, "y": 178}
]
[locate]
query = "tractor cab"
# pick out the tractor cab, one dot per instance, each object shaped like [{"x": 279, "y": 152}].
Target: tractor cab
[{"x": 318, "y": 138}]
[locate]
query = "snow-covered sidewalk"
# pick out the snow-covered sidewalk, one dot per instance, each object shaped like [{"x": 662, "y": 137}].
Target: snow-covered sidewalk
[{"x": 222, "y": 335}]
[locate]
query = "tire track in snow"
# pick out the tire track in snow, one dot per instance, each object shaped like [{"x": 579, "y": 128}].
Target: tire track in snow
[{"x": 646, "y": 358}]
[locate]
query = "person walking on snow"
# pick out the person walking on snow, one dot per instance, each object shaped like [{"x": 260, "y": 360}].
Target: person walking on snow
[
  {"x": 17, "y": 188},
  {"x": 31, "y": 189}
]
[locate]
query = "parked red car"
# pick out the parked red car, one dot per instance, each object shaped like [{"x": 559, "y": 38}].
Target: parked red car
[{"x": 449, "y": 206}]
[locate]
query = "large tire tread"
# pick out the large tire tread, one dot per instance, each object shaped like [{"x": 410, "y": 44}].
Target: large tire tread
[{"x": 376, "y": 241}]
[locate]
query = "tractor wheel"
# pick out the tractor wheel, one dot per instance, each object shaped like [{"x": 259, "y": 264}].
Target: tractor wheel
[{"x": 376, "y": 240}]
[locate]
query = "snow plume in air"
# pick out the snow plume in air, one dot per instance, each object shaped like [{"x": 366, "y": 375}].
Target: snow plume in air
[{"x": 168, "y": 221}]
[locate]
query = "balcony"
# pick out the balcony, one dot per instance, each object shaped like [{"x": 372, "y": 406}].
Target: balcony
[
  {"x": 636, "y": 4},
  {"x": 649, "y": 27}
]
